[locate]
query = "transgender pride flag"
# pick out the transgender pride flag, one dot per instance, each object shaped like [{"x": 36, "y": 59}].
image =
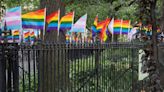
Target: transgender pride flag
[
  {"x": 80, "y": 25},
  {"x": 13, "y": 18}
]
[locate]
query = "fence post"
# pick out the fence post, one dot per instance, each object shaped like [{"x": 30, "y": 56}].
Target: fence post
[
  {"x": 2, "y": 70},
  {"x": 15, "y": 70},
  {"x": 132, "y": 66},
  {"x": 97, "y": 58},
  {"x": 13, "y": 67}
]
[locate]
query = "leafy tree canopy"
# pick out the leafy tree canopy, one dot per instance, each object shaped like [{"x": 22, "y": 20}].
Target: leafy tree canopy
[{"x": 121, "y": 9}]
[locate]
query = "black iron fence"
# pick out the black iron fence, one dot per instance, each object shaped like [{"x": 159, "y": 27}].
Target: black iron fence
[{"x": 69, "y": 67}]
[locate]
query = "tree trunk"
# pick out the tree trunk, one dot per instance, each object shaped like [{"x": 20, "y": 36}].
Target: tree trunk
[
  {"x": 161, "y": 51},
  {"x": 162, "y": 18},
  {"x": 53, "y": 5},
  {"x": 53, "y": 65},
  {"x": 154, "y": 27},
  {"x": 155, "y": 48}
]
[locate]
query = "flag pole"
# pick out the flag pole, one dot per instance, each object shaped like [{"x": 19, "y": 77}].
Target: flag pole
[
  {"x": 121, "y": 32},
  {"x": 112, "y": 30},
  {"x": 72, "y": 24},
  {"x": 85, "y": 25},
  {"x": 58, "y": 25},
  {"x": 21, "y": 30},
  {"x": 44, "y": 29},
  {"x": 129, "y": 28}
]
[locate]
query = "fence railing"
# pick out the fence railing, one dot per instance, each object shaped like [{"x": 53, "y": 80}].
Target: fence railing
[{"x": 70, "y": 67}]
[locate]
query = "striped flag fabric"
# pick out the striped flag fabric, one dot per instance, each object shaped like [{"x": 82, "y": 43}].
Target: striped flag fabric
[
  {"x": 110, "y": 26},
  {"x": 32, "y": 35},
  {"x": 16, "y": 34},
  {"x": 66, "y": 21},
  {"x": 80, "y": 25},
  {"x": 94, "y": 27},
  {"x": 26, "y": 35},
  {"x": 13, "y": 19},
  {"x": 53, "y": 21},
  {"x": 117, "y": 26},
  {"x": 103, "y": 32},
  {"x": 9, "y": 37},
  {"x": 34, "y": 20},
  {"x": 101, "y": 25},
  {"x": 67, "y": 37},
  {"x": 125, "y": 26}
]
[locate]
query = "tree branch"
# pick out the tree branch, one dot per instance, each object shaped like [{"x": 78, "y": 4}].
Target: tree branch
[{"x": 118, "y": 7}]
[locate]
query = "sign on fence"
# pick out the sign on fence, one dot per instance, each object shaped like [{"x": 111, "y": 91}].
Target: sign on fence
[{"x": 141, "y": 74}]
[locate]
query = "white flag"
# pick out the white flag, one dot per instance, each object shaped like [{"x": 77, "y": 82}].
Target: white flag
[
  {"x": 131, "y": 34},
  {"x": 80, "y": 25},
  {"x": 110, "y": 26}
]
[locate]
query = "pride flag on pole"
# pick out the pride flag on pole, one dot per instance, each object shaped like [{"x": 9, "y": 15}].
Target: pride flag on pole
[
  {"x": 53, "y": 21},
  {"x": 103, "y": 32},
  {"x": 110, "y": 26},
  {"x": 94, "y": 27},
  {"x": 16, "y": 35},
  {"x": 32, "y": 35},
  {"x": 80, "y": 25},
  {"x": 34, "y": 20},
  {"x": 101, "y": 25},
  {"x": 26, "y": 35},
  {"x": 13, "y": 19},
  {"x": 117, "y": 26},
  {"x": 66, "y": 21},
  {"x": 125, "y": 26}
]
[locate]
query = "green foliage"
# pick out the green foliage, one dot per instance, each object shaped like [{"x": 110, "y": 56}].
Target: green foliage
[
  {"x": 104, "y": 9},
  {"x": 92, "y": 10},
  {"x": 114, "y": 71},
  {"x": 25, "y": 86},
  {"x": 27, "y": 5}
]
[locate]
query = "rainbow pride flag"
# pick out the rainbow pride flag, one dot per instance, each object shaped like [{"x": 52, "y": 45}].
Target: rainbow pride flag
[
  {"x": 125, "y": 26},
  {"x": 66, "y": 21},
  {"x": 52, "y": 21},
  {"x": 26, "y": 35},
  {"x": 117, "y": 26},
  {"x": 32, "y": 35},
  {"x": 101, "y": 25},
  {"x": 13, "y": 18},
  {"x": 94, "y": 27},
  {"x": 34, "y": 20},
  {"x": 103, "y": 32},
  {"x": 67, "y": 38},
  {"x": 9, "y": 38},
  {"x": 16, "y": 35}
]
